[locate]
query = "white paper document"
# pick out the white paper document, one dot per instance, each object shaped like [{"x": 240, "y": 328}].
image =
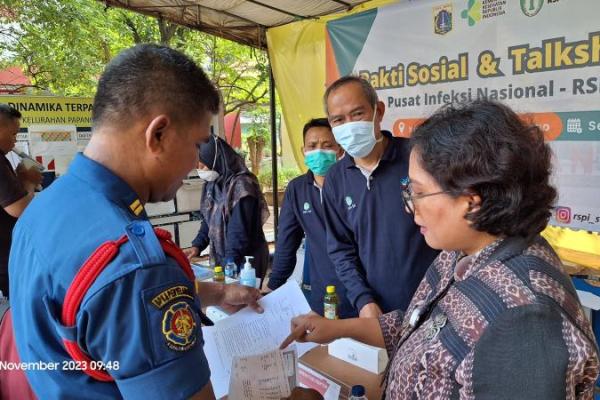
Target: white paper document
[
  {"x": 266, "y": 376},
  {"x": 248, "y": 333}
]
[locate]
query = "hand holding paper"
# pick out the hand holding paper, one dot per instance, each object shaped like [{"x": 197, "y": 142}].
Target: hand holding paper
[{"x": 247, "y": 333}]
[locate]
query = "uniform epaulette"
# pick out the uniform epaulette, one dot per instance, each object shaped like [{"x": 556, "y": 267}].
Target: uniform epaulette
[{"x": 145, "y": 243}]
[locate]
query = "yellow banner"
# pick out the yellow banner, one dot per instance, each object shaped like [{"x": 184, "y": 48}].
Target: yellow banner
[
  {"x": 51, "y": 110},
  {"x": 297, "y": 55}
]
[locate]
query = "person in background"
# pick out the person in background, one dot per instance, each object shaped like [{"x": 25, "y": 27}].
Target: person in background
[
  {"x": 233, "y": 209},
  {"x": 302, "y": 214},
  {"x": 496, "y": 316},
  {"x": 376, "y": 248},
  {"x": 16, "y": 187}
]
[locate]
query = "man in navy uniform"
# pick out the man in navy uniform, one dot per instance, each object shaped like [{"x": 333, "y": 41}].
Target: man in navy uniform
[
  {"x": 377, "y": 249},
  {"x": 302, "y": 214},
  {"x": 139, "y": 322}
]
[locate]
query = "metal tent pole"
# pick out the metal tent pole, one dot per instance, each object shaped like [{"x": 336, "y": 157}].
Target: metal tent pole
[{"x": 273, "y": 151}]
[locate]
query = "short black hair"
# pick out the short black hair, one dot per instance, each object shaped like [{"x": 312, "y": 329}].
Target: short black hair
[
  {"x": 315, "y": 123},
  {"x": 483, "y": 147},
  {"x": 9, "y": 112},
  {"x": 369, "y": 92},
  {"x": 147, "y": 75}
]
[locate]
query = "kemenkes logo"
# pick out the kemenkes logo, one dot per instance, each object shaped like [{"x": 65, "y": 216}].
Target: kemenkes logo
[
  {"x": 478, "y": 10},
  {"x": 472, "y": 13},
  {"x": 531, "y": 7}
]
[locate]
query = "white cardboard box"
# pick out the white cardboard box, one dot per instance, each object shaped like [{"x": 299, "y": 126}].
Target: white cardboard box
[
  {"x": 173, "y": 219},
  {"x": 160, "y": 208},
  {"x": 187, "y": 232},
  {"x": 189, "y": 195},
  {"x": 373, "y": 359}
]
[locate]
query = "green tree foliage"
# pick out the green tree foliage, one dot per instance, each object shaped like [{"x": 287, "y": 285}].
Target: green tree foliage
[{"x": 63, "y": 46}]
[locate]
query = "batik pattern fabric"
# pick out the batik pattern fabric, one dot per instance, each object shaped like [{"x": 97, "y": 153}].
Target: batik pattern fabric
[{"x": 510, "y": 303}]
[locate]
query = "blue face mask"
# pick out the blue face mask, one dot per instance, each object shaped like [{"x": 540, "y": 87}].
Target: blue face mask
[
  {"x": 357, "y": 137},
  {"x": 319, "y": 161}
]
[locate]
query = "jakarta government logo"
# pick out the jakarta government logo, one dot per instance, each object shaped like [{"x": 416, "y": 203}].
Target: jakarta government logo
[
  {"x": 442, "y": 19},
  {"x": 179, "y": 326},
  {"x": 531, "y": 7}
]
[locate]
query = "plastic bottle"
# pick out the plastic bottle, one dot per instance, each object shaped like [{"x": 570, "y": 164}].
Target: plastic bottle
[
  {"x": 218, "y": 275},
  {"x": 357, "y": 393},
  {"x": 330, "y": 303},
  {"x": 248, "y": 274},
  {"x": 230, "y": 269}
]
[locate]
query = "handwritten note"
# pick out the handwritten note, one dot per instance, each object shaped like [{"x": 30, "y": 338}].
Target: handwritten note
[
  {"x": 266, "y": 376},
  {"x": 247, "y": 333}
]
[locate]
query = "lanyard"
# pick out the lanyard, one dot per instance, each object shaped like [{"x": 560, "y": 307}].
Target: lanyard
[{"x": 419, "y": 315}]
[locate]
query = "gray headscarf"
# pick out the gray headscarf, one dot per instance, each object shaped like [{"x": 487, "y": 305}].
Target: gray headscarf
[{"x": 222, "y": 195}]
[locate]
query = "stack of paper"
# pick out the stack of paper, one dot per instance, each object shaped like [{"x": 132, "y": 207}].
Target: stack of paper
[
  {"x": 267, "y": 376},
  {"x": 247, "y": 333}
]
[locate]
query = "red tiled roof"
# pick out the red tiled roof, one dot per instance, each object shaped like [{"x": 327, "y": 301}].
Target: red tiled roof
[{"x": 13, "y": 76}]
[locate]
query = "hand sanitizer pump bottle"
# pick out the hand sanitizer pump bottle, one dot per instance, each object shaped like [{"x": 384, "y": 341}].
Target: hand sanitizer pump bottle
[{"x": 248, "y": 274}]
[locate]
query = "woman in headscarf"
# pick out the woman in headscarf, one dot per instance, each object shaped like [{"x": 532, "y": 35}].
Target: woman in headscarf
[
  {"x": 233, "y": 209},
  {"x": 496, "y": 316}
]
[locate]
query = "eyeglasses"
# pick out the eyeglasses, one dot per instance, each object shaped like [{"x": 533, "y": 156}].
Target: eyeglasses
[{"x": 408, "y": 197}]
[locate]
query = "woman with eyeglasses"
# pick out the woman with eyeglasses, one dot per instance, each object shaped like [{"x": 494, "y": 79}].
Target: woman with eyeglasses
[
  {"x": 495, "y": 317},
  {"x": 233, "y": 209}
]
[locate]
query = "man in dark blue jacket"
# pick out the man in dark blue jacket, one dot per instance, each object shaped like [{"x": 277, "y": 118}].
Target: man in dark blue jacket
[
  {"x": 302, "y": 214},
  {"x": 378, "y": 251}
]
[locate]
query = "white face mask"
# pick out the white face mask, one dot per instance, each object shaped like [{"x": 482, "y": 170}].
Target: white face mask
[
  {"x": 210, "y": 175},
  {"x": 357, "y": 137}
]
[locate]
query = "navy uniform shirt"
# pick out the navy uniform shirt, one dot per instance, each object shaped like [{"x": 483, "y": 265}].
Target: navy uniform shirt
[
  {"x": 378, "y": 251},
  {"x": 302, "y": 213},
  {"x": 140, "y": 317}
]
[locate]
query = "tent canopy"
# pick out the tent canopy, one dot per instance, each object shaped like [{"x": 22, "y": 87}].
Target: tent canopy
[
  {"x": 297, "y": 54},
  {"x": 243, "y": 21}
]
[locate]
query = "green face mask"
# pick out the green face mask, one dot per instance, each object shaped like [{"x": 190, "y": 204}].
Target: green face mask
[{"x": 319, "y": 161}]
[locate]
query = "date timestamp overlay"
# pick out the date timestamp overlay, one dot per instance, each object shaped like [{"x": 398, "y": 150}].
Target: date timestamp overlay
[{"x": 66, "y": 365}]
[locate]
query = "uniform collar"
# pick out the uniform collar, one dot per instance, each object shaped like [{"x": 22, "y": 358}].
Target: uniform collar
[
  {"x": 310, "y": 177},
  {"x": 105, "y": 181},
  {"x": 388, "y": 154},
  {"x": 310, "y": 180}
]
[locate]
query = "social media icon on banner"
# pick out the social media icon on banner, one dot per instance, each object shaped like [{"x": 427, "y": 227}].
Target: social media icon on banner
[{"x": 562, "y": 215}]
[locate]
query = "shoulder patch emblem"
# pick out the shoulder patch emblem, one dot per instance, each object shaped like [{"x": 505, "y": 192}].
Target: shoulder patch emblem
[
  {"x": 172, "y": 293},
  {"x": 179, "y": 326}
]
